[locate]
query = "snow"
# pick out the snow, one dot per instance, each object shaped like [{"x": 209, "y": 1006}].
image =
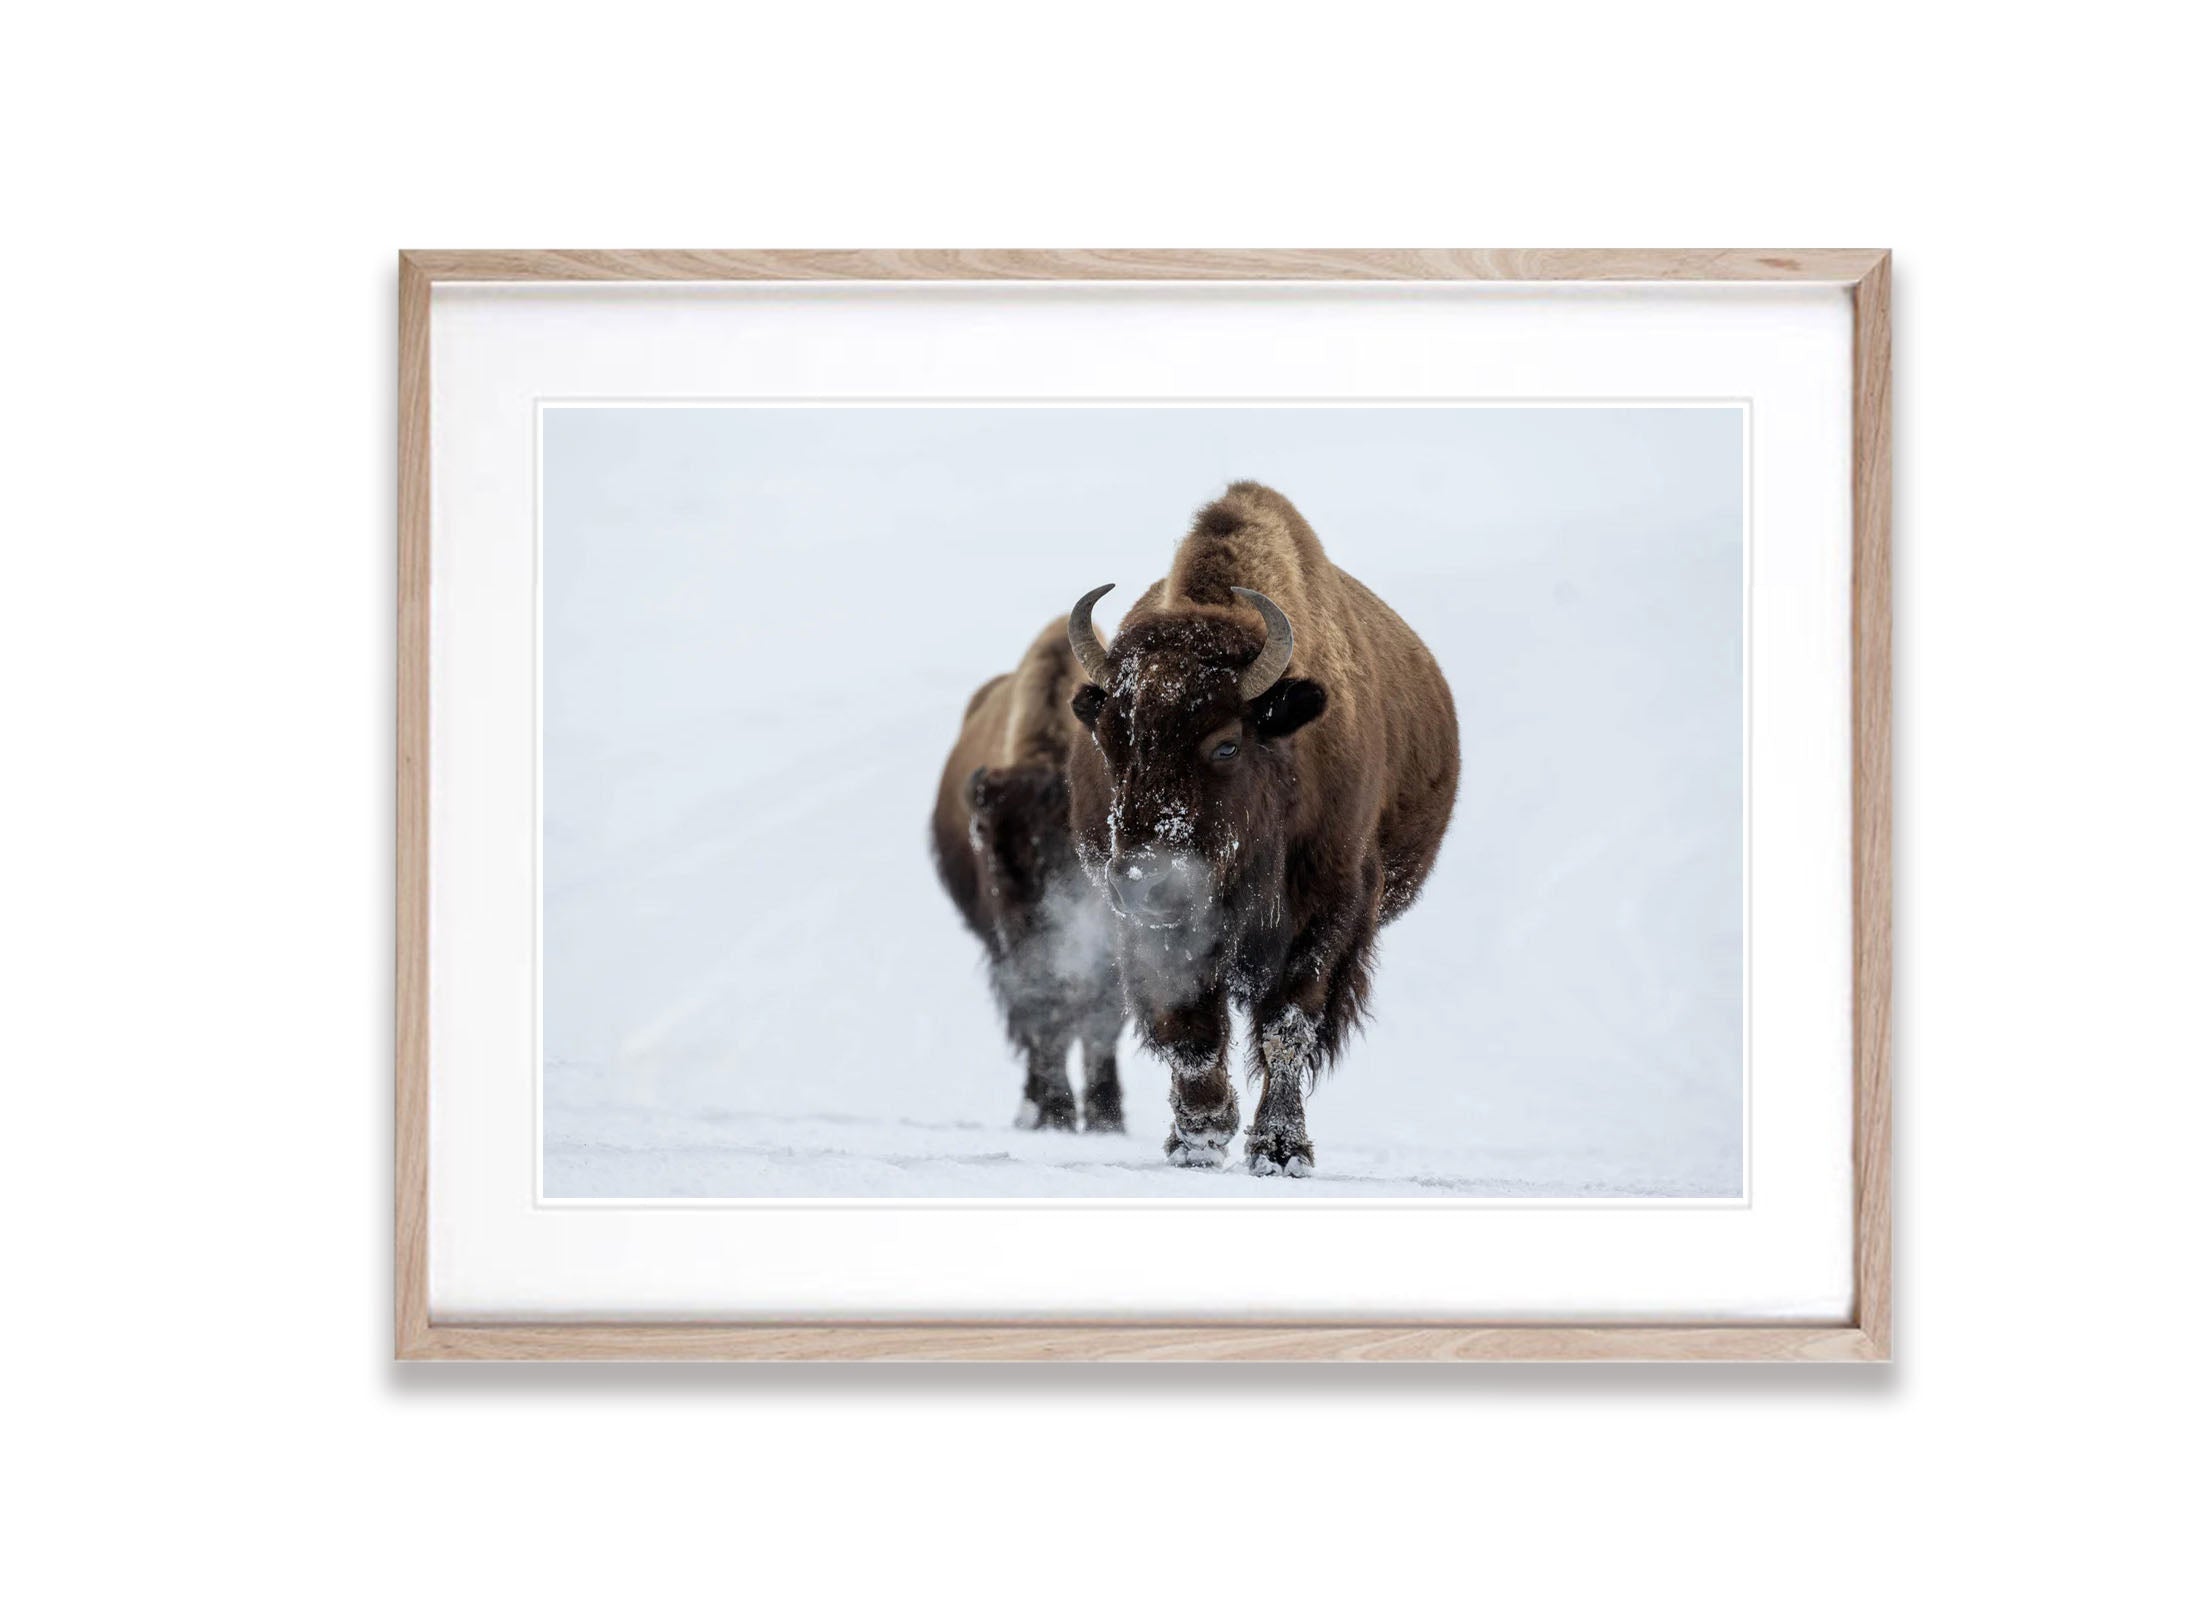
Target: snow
[{"x": 761, "y": 628}]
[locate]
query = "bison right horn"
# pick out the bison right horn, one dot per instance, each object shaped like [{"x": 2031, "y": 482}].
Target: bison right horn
[
  {"x": 1274, "y": 656},
  {"x": 1083, "y": 643}
]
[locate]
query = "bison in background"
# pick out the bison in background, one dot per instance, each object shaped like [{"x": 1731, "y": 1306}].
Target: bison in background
[
  {"x": 1269, "y": 770},
  {"x": 1001, "y": 841}
]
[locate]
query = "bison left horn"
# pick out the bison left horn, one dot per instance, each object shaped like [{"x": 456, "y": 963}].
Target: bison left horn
[
  {"x": 1275, "y": 655},
  {"x": 1084, "y": 644}
]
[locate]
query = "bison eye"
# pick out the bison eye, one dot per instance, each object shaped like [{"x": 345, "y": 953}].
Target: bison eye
[{"x": 1224, "y": 751}]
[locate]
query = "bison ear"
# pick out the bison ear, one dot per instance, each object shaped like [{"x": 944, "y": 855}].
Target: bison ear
[
  {"x": 1085, "y": 704},
  {"x": 1287, "y": 707}
]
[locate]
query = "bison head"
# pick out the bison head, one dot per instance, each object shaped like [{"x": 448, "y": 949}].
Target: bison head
[{"x": 1192, "y": 713}]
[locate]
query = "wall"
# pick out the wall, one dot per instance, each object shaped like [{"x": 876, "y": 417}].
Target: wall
[{"x": 196, "y": 630}]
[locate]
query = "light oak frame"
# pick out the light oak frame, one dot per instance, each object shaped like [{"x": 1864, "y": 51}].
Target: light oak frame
[{"x": 1865, "y": 1336}]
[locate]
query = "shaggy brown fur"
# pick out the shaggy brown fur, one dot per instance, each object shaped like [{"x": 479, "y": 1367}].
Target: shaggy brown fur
[
  {"x": 1255, "y": 849},
  {"x": 1000, "y": 838}
]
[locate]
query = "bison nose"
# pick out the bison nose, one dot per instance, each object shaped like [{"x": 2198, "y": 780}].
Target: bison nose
[{"x": 1149, "y": 888}]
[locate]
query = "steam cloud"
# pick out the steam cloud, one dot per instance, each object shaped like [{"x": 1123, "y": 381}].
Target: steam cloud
[
  {"x": 1062, "y": 959},
  {"x": 1171, "y": 967}
]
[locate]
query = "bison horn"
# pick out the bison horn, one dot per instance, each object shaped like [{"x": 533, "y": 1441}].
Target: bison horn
[
  {"x": 1083, "y": 643},
  {"x": 1274, "y": 656}
]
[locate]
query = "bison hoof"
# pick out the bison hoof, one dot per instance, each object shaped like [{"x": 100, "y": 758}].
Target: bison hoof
[
  {"x": 1206, "y": 1147},
  {"x": 1266, "y": 1157},
  {"x": 1048, "y": 1113},
  {"x": 1104, "y": 1109}
]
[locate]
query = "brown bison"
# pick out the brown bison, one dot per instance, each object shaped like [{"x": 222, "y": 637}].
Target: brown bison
[
  {"x": 1000, "y": 837},
  {"x": 1270, "y": 770}
]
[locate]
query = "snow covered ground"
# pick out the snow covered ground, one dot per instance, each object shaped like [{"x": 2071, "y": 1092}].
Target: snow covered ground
[{"x": 760, "y": 629}]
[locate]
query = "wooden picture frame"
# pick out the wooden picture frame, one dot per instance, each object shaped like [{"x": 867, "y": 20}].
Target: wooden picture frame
[{"x": 1864, "y": 1336}]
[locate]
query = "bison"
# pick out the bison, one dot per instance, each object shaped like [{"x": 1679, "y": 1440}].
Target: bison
[
  {"x": 1268, "y": 771},
  {"x": 1000, "y": 838}
]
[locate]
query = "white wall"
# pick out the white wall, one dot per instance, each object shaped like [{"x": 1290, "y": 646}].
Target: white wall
[{"x": 196, "y": 627}]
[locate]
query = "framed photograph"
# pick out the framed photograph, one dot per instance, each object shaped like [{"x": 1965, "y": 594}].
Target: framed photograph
[{"x": 1266, "y": 804}]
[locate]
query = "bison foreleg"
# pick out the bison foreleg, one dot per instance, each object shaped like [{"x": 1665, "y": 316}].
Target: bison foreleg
[
  {"x": 1195, "y": 1041},
  {"x": 1278, "y": 1142},
  {"x": 1103, "y": 1089},
  {"x": 1049, "y": 1101},
  {"x": 1298, "y": 1028}
]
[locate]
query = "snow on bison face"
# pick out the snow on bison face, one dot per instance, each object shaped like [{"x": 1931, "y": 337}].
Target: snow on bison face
[{"x": 1200, "y": 775}]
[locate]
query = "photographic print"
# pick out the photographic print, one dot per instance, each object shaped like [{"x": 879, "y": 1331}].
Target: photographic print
[{"x": 1273, "y": 802}]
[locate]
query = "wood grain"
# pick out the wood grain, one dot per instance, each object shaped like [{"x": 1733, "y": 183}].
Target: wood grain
[
  {"x": 1404, "y": 266},
  {"x": 1871, "y": 847},
  {"x": 1866, "y": 1338},
  {"x": 1131, "y": 1342},
  {"x": 413, "y": 508}
]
